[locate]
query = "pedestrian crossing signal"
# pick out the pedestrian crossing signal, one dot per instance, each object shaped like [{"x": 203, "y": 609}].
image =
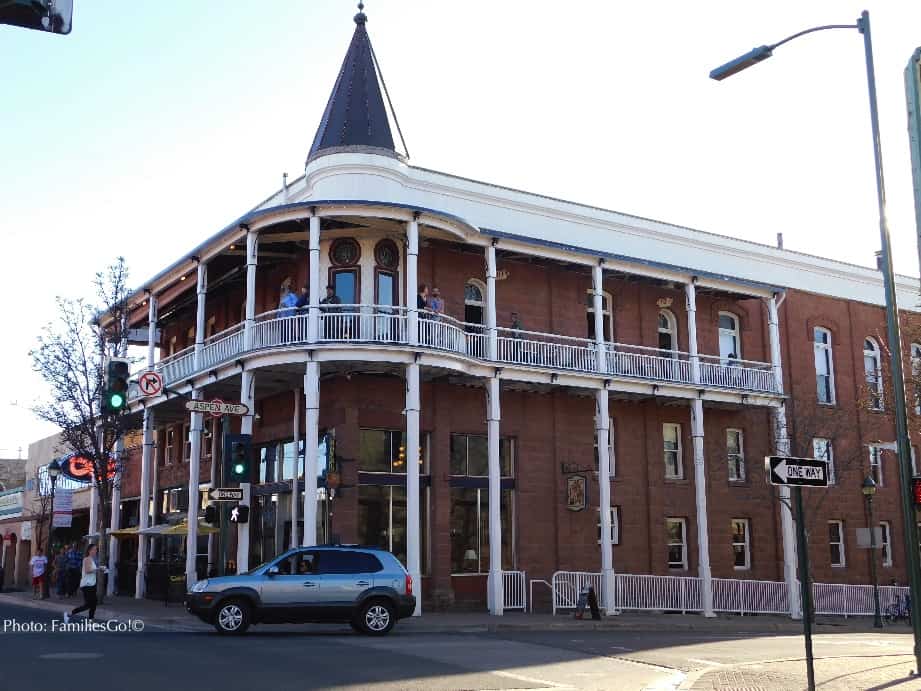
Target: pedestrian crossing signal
[{"x": 239, "y": 514}]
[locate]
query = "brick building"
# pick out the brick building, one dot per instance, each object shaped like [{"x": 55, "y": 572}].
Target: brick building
[{"x": 597, "y": 393}]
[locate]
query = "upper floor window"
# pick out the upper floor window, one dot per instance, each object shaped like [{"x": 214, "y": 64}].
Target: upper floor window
[
  {"x": 735, "y": 455},
  {"x": 836, "y": 543},
  {"x": 730, "y": 343},
  {"x": 824, "y": 365},
  {"x": 671, "y": 439},
  {"x": 474, "y": 302},
  {"x": 885, "y": 529},
  {"x": 344, "y": 252},
  {"x": 876, "y": 465},
  {"x": 668, "y": 331},
  {"x": 916, "y": 375},
  {"x": 386, "y": 284},
  {"x": 873, "y": 373},
  {"x": 607, "y": 325},
  {"x": 823, "y": 450}
]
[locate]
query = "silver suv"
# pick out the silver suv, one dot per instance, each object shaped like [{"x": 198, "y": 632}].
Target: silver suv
[{"x": 364, "y": 586}]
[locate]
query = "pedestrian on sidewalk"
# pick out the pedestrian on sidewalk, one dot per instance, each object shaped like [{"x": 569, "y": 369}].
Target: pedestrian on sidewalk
[
  {"x": 87, "y": 585},
  {"x": 60, "y": 573},
  {"x": 38, "y": 564},
  {"x": 72, "y": 571}
]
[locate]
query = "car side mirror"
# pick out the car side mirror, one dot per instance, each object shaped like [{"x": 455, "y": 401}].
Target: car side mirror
[{"x": 272, "y": 571}]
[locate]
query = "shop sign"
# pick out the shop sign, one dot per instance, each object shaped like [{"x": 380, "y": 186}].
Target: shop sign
[
  {"x": 63, "y": 509},
  {"x": 80, "y": 468},
  {"x": 11, "y": 504},
  {"x": 25, "y": 530},
  {"x": 576, "y": 492}
]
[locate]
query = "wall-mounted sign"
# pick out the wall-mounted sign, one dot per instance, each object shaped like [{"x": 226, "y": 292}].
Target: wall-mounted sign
[
  {"x": 11, "y": 504},
  {"x": 576, "y": 492},
  {"x": 25, "y": 530},
  {"x": 664, "y": 302},
  {"x": 80, "y": 469},
  {"x": 63, "y": 509},
  {"x": 570, "y": 468}
]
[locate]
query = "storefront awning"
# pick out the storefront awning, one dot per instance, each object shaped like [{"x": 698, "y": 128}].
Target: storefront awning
[
  {"x": 124, "y": 532},
  {"x": 178, "y": 529}
]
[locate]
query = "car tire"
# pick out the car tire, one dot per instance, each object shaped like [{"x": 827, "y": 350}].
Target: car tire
[
  {"x": 377, "y": 617},
  {"x": 232, "y": 617}
]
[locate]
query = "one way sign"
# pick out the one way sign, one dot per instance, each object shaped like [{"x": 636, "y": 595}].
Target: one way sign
[{"x": 800, "y": 472}]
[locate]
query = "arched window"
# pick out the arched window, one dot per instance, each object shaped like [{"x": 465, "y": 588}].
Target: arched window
[
  {"x": 824, "y": 365},
  {"x": 668, "y": 331},
  {"x": 873, "y": 373},
  {"x": 608, "y": 324},
  {"x": 386, "y": 276},
  {"x": 344, "y": 272},
  {"x": 474, "y": 301},
  {"x": 730, "y": 343}
]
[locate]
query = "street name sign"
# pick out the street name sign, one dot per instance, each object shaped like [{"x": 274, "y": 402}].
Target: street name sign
[
  {"x": 225, "y": 494},
  {"x": 796, "y": 472},
  {"x": 217, "y": 408}
]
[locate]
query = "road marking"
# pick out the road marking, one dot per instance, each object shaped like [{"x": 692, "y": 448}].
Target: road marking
[
  {"x": 531, "y": 680},
  {"x": 70, "y": 656},
  {"x": 620, "y": 647},
  {"x": 710, "y": 663}
]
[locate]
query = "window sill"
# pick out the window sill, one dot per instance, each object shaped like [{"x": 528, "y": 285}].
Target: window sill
[
  {"x": 676, "y": 480},
  {"x": 839, "y": 566},
  {"x": 741, "y": 568},
  {"x": 738, "y": 483},
  {"x": 827, "y": 404}
]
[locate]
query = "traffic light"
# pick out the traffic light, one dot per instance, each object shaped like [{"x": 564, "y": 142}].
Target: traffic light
[
  {"x": 115, "y": 394},
  {"x": 237, "y": 457},
  {"x": 239, "y": 514},
  {"x": 211, "y": 514}
]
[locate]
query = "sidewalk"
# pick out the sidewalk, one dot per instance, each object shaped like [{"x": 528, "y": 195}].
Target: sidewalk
[{"x": 174, "y": 616}]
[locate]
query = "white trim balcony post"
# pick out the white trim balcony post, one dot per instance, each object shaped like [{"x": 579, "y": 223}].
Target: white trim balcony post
[
  {"x": 191, "y": 545},
  {"x": 690, "y": 291},
  {"x": 216, "y": 428},
  {"x": 148, "y": 458},
  {"x": 201, "y": 294},
  {"x": 412, "y": 281},
  {"x": 700, "y": 496},
  {"x": 598, "y": 308},
  {"x": 313, "y": 246},
  {"x": 413, "y": 542},
  {"x": 782, "y": 448},
  {"x": 297, "y": 437},
  {"x": 492, "y": 343},
  {"x": 603, "y": 431},
  {"x": 311, "y": 444},
  {"x": 115, "y": 518},
  {"x": 247, "y": 398},
  {"x": 252, "y": 256},
  {"x": 495, "y": 591}
]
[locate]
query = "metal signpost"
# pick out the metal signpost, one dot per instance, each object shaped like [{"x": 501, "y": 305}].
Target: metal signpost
[{"x": 798, "y": 473}]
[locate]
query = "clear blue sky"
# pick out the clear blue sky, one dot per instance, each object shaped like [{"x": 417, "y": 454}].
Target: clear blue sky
[{"x": 154, "y": 124}]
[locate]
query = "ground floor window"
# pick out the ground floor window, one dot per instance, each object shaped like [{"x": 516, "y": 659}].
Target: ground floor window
[
  {"x": 677, "y": 537},
  {"x": 382, "y": 519},
  {"x": 470, "y": 529},
  {"x": 741, "y": 544},
  {"x": 886, "y": 538},
  {"x": 836, "y": 542}
]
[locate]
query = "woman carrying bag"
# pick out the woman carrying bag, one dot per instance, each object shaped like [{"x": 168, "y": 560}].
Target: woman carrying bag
[{"x": 87, "y": 585}]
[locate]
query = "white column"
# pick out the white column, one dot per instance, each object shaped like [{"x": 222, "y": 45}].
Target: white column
[
  {"x": 296, "y": 436},
  {"x": 690, "y": 290},
  {"x": 495, "y": 595},
  {"x": 148, "y": 458},
  {"x": 213, "y": 479},
  {"x": 252, "y": 242},
  {"x": 413, "y": 549},
  {"x": 700, "y": 495},
  {"x": 603, "y": 431},
  {"x": 313, "y": 251},
  {"x": 311, "y": 442},
  {"x": 492, "y": 344},
  {"x": 598, "y": 307},
  {"x": 412, "y": 281},
  {"x": 191, "y": 548},
  {"x": 202, "y": 294},
  {"x": 114, "y": 518},
  {"x": 782, "y": 448},
  {"x": 94, "y": 511},
  {"x": 247, "y": 396}
]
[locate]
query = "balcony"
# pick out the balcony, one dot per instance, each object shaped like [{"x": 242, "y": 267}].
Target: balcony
[{"x": 387, "y": 326}]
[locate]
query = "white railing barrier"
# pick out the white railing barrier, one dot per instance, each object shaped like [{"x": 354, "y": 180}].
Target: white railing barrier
[
  {"x": 683, "y": 594},
  {"x": 514, "y": 590},
  {"x": 539, "y": 581},
  {"x": 383, "y": 324}
]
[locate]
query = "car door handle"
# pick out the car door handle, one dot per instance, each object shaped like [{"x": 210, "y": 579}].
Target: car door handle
[
  {"x": 310, "y": 584},
  {"x": 363, "y": 583}
]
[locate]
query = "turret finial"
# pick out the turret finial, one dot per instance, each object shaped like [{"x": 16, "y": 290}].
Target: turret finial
[{"x": 361, "y": 17}]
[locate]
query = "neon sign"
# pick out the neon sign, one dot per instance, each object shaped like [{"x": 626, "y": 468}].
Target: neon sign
[{"x": 80, "y": 469}]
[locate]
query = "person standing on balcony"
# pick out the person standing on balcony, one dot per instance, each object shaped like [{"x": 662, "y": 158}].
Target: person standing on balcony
[
  {"x": 519, "y": 352},
  {"x": 303, "y": 300},
  {"x": 436, "y": 305},
  {"x": 288, "y": 298},
  {"x": 422, "y": 305},
  {"x": 330, "y": 330}
]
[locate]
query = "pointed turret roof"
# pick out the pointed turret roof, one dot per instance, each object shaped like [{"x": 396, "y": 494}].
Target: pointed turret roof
[{"x": 355, "y": 117}]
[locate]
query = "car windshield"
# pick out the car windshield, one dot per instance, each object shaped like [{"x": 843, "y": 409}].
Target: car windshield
[{"x": 257, "y": 568}]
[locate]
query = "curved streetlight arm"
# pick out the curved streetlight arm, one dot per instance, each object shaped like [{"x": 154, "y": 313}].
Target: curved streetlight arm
[{"x": 826, "y": 27}]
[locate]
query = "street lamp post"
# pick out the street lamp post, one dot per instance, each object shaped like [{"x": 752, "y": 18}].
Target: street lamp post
[
  {"x": 893, "y": 331},
  {"x": 54, "y": 470},
  {"x": 869, "y": 489}
]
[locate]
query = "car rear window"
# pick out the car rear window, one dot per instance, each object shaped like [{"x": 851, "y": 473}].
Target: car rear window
[{"x": 344, "y": 561}]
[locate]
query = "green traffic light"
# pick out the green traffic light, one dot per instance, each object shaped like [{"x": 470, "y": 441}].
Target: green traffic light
[
  {"x": 238, "y": 469},
  {"x": 116, "y": 401}
]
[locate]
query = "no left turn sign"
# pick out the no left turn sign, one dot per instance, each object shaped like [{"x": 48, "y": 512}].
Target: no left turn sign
[{"x": 150, "y": 383}]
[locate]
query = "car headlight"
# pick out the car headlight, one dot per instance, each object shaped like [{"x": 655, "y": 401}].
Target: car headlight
[{"x": 200, "y": 586}]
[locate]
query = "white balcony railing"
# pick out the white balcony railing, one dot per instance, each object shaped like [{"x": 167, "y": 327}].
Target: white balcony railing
[{"x": 385, "y": 325}]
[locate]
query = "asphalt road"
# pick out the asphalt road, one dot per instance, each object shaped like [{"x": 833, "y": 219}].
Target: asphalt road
[{"x": 282, "y": 658}]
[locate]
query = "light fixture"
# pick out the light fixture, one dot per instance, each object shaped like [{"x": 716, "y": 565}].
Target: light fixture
[
  {"x": 182, "y": 278},
  {"x": 233, "y": 247},
  {"x": 868, "y": 487},
  {"x": 54, "y": 470}
]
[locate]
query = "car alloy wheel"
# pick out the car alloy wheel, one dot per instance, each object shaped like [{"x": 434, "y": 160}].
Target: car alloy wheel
[
  {"x": 377, "y": 618},
  {"x": 230, "y": 618}
]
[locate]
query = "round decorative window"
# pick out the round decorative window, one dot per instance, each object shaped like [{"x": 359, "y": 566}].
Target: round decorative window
[
  {"x": 344, "y": 252},
  {"x": 386, "y": 254}
]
